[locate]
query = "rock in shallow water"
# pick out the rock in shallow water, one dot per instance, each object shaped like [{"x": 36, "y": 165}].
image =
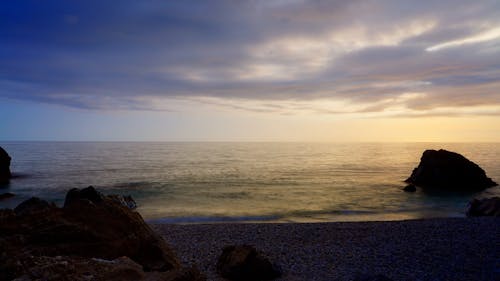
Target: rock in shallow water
[
  {"x": 89, "y": 225},
  {"x": 447, "y": 170}
]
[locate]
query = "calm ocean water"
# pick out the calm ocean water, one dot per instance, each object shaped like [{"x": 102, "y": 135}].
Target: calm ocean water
[{"x": 219, "y": 182}]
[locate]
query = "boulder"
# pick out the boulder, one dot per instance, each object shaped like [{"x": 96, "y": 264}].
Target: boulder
[
  {"x": 445, "y": 170},
  {"x": 90, "y": 225},
  {"x": 243, "y": 262},
  {"x": 484, "y": 207},
  {"x": 5, "y": 174}
]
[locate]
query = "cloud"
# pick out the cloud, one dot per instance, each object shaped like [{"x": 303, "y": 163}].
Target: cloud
[
  {"x": 487, "y": 35},
  {"x": 332, "y": 57}
]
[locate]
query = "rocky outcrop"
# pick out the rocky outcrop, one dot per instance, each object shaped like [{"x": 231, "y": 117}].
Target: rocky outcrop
[
  {"x": 244, "y": 263},
  {"x": 441, "y": 169},
  {"x": 484, "y": 207},
  {"x": 5, "y": 174},
  {"x": 92, "y": 195},
  {"x": 90, "y": 225},
  {"x": 89, "y": 194}
]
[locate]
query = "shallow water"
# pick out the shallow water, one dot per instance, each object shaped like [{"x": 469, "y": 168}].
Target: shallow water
[{"x": 223, "y": 182}]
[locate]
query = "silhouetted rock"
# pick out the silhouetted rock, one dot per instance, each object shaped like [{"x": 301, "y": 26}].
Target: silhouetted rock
[
  {"x": 90, "y": 194},
  {"x": 89, "y": 225},
  {"x": 449, "y": 171},
  {"x": 243, "y": 262},
  {"x": 5, "y": 174},
  {"x": 86, "y": 194},
  {"x": 410, "y": 188},
  {"x": 484, "y": 207},
  {"x": 6, "y": 195}
]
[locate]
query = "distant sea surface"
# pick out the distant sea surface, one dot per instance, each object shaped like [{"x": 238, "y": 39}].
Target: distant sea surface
[{"x": 197, "y": 182}]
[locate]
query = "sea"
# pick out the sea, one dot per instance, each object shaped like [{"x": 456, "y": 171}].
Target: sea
[{"x": 219, "y": 182}]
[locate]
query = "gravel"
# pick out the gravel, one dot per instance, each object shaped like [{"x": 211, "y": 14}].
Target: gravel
[{"x": 431, "y": 249}]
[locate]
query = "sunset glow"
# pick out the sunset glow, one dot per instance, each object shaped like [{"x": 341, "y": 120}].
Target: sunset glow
[{"x": 251, "y": 71}]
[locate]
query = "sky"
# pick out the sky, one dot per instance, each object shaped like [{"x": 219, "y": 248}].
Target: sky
[{"x": 270, "y": 70}]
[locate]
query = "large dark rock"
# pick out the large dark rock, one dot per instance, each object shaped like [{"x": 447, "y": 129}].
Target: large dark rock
[
  {"x": 441, "y": 169},
  {"x": 244, "y": 263},
  {"x": 5, "y": 174},
  {"x": 484, "y": 207},
  {"x": 90, "y": 225}
]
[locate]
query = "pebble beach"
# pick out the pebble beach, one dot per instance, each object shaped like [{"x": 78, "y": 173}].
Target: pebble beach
[{"x": 429, "y": 249}]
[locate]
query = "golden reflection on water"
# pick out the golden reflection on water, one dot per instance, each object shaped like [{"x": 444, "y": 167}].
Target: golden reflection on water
[{"x": 249, "y": 181}]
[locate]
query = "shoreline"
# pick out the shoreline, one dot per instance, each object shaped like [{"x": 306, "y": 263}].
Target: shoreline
[
  {"x": 388, "y": 217},
  {"x": 421, "y": 249}
]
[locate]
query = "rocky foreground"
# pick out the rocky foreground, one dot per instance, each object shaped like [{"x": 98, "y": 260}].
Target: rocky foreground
[
  {"x": 98, "y": 237},
  {"x": 431, "y": 249},
  {"x": 92, "y": 237}
]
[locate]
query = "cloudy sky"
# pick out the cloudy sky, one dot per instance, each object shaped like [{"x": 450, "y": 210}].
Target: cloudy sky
[{"x": 270, "y": 70}]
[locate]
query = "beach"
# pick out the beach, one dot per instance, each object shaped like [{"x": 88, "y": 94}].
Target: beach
[
  {"x": 429, "y": 249},
  {"x": 318, "y": 211}
]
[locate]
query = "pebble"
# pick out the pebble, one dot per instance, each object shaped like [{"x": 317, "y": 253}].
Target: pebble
[{"x": 459, "y": 249}]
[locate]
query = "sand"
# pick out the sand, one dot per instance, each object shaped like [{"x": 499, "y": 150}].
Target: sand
[{"x": 431, "y": 249}]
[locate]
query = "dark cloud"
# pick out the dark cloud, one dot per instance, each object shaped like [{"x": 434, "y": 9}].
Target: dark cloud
[{"x": 107, "y": 55}]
